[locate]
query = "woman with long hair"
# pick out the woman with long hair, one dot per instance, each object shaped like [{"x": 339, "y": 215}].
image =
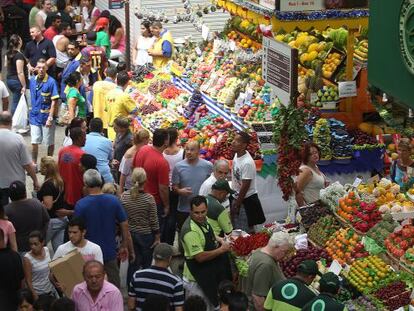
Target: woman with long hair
[
  {"x": 117, "y": 37},
  {"x": 75, "y": 101},
  {"x": 141, "y": 138},
  {"x": 76, "y": 122},
  {"x": 52, "y": 195},
  {"x": 36, "y": 267},
  {"x": 90, "y": 14},
  {"x": 142, "y": 219},
  {"x": 16, "y": 70},
  {"x": 8, "y": 229},
  {"x": 145, "y": 42}
]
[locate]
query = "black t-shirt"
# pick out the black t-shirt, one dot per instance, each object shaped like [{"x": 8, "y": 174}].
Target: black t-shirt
[
  {"x": 12, "y": 68},
  {"x": 49, "y": 189},
  {"x": 122, "y": 144},
  {"x": 11, "y": 272},
  {"x": 37, "y": 50}
]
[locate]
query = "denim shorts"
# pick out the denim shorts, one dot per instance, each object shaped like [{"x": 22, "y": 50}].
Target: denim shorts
[{"x": 43, "y": 134}]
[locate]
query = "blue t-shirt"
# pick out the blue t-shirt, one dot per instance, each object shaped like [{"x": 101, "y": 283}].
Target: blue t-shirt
[
  {"x": 101, "y": 148},
  {"x": 101, "y": 213},
  {"x": 193, "y": 176},
  {"x": 42, "y": 93}
]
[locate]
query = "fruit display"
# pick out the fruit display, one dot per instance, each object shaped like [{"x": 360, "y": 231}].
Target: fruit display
[
  {"x": 311, "y": 213},
  {"x": 246, "y": 27},
  {"x": 322, "y": 230},
  {"x": 361, "y": 215},
  {"x": 331, "y": 63},
  {"x": 195, "y": 101},
  {"x": 290, "y": 266},
  {"x": 345, "y": 245},
  {"x": 339, "y": 37},
  {"x": 361, "y": 138},
  {"x": 260, "y": 112},
  {"x": 328, "y": 94},
  {"x": 330, "y": 195},
  {"x": 148, "y": 109},
  {"x": 243, "y": 246},
  {"x": 322, "y": 138},
  {"x": 163, "y": 118},
  {"x": 394, "y": 295},
  {"x": 341, "y": 141},
  {"x": 361, "y": 51},
  {"x": 408, "y": 258},
  {"x": 366, "y": 273},
  {"x": 362, "y": 303},
  {"x": 382, "y": 229},
  {"x": 399, "y": 241}
]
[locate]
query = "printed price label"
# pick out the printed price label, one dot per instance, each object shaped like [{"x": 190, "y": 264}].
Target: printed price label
[{"x": 357, "y": 182}]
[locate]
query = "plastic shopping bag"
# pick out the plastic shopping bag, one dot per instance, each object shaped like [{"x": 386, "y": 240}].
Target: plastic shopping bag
[{"x": 20, "y": 115}]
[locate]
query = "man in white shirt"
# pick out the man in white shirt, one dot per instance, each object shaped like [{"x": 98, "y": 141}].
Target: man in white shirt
[
  {"x": 4, "y": 95},
  {"x": 244, "y": 182},
  {"x": 77, "y": 230},
  {"x": 221, "y": 169}
]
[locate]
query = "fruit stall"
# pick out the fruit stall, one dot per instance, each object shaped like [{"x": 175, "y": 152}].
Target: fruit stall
[{"x": 364, "y": 233}]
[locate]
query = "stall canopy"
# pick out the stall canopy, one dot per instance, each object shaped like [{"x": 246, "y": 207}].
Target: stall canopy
[{"x": 391, "y": 48}]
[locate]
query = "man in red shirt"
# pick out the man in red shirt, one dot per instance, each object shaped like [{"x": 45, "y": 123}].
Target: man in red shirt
[
  {"x": 69, "y": 166},
  {"x": 151, "y": 159},
  {"x": 53, "y": 29}
]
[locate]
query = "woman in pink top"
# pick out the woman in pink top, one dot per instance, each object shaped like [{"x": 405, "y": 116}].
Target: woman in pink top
[
  {"x": 8, "y": 229},
  {"x": 117, "y": 34}
]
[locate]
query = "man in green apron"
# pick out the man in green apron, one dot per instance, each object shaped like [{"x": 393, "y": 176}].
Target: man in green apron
[
  {"x": 329, "y": 285},
  {"x": 217, "y": 216},
  {"x": 206, "y": 256},
  {"x": 292, "y": 294}
]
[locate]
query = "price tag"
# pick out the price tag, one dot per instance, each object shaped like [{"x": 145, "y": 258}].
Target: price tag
[
  {"x": 374, "y": 179},
  {"x": 335, "y": 267},
  {"x": 314, "y": 98},
  {"x": 357, "y": 182},
  {"x": 249, "y": 95},
  {"x": 216, "y": 46},
  {"x": 205, "y": 32},
  {"x": 232, "y": 45},
  {"x": 347, "y": 89},
  {"x": 198, "y": 51}
]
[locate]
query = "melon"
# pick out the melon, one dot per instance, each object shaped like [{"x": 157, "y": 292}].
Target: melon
[{"x": 366, "y": 127}]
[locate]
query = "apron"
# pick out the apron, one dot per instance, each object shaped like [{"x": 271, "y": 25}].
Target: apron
[{"x": 208, "y": 275}]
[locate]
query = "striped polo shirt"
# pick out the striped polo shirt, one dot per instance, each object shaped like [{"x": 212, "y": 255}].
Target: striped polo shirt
[{"x": 156, "y": 280}]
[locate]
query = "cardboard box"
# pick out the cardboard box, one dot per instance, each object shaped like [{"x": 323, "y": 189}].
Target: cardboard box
[{"x": 68, "y": 270}]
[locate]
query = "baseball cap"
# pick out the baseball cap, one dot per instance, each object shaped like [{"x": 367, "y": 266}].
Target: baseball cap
[
  {"x": 163, "y": 251},
  {"x": 91, "y": 37},
  {"x": 309, "y": 267},
  {"x": 101, "y": 23},
  {"x": 330, "y": 280},
  {"x": 222, "y": 185}
]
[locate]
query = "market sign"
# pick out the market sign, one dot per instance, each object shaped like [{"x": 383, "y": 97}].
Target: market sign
[
  {"x": 391, "y": 48},
  {"x": 280, "y": 69},
  {"x": 116, "y": 4},
  {"x": 299, "y": 5}
]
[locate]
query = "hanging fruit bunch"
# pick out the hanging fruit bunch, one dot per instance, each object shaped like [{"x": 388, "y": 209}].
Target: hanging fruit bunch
[{"x": 288, "y": 134}]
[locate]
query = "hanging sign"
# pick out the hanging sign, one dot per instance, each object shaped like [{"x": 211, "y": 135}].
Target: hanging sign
[
  {"x": 280, "y": 69},
  {"x": 300, "y": 5},
  {"x": 116, "y": 4}
]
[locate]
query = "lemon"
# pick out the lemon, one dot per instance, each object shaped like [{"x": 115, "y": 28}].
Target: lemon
[
  {"x": 313, "y": 47},
  {"x": 312, "y": 55},
  {"x": 279, "y": 37}
]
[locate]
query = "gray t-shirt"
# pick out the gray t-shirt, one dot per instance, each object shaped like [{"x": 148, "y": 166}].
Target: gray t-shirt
[
  {"x": 190, "y": 175},
  {"x": 13, "y": 155}
]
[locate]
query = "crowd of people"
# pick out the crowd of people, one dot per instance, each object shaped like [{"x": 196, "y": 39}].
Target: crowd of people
[{"x": 118, "y": 195}]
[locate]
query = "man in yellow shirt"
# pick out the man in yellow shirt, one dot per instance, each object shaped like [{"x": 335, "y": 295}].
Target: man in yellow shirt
[
  {"x": 119, "y": 103},
  {"x": 100, "y": 91},
  {"x": 163, "y": 47}
]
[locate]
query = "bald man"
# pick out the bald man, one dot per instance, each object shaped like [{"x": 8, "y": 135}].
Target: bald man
[
  {"x": 95, "y": 292},
  {"x": 14, "y": 157},
  {"x": 187, "y": 178}
]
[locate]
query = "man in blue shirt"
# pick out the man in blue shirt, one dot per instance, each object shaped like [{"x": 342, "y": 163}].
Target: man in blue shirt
[
  {"x": 44, "y": 98},
  {"x": 38, "y": 48},
  {"x": 75, "y": 56},
  {"x": 101, "y": 148},
  {"x": 101, "y": 213}
]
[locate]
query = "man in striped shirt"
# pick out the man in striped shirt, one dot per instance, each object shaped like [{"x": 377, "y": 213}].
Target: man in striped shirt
[{"x": 157, "y": 280}]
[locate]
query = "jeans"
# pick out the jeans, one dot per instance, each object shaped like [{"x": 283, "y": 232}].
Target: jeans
[
  {"x": 112, "y": 272},
  {"x": 170, "y": 222},
  {"x": 15, "y": 88},
  {"x": 143, "y": 253},
  {"x": 56, "y": 231}
]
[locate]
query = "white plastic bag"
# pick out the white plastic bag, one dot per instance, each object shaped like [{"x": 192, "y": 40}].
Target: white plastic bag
[{"x": 20, "y": 115}]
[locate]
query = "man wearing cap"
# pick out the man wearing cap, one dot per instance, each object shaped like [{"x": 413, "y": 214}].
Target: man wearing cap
[
  {"x": 157, "y": 280},
  {"x": 329, "y": 285},
  {"x": 293, "y": 294},
  {"x": 217, "y": 216},
  {"x": 206, "y": 256},
  {"x": 96, "y": 54},
  {"x": 102, "y": 36}
]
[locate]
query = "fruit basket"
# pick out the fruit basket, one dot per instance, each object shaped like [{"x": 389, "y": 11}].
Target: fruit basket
[{"x": 332, "y": 63}]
